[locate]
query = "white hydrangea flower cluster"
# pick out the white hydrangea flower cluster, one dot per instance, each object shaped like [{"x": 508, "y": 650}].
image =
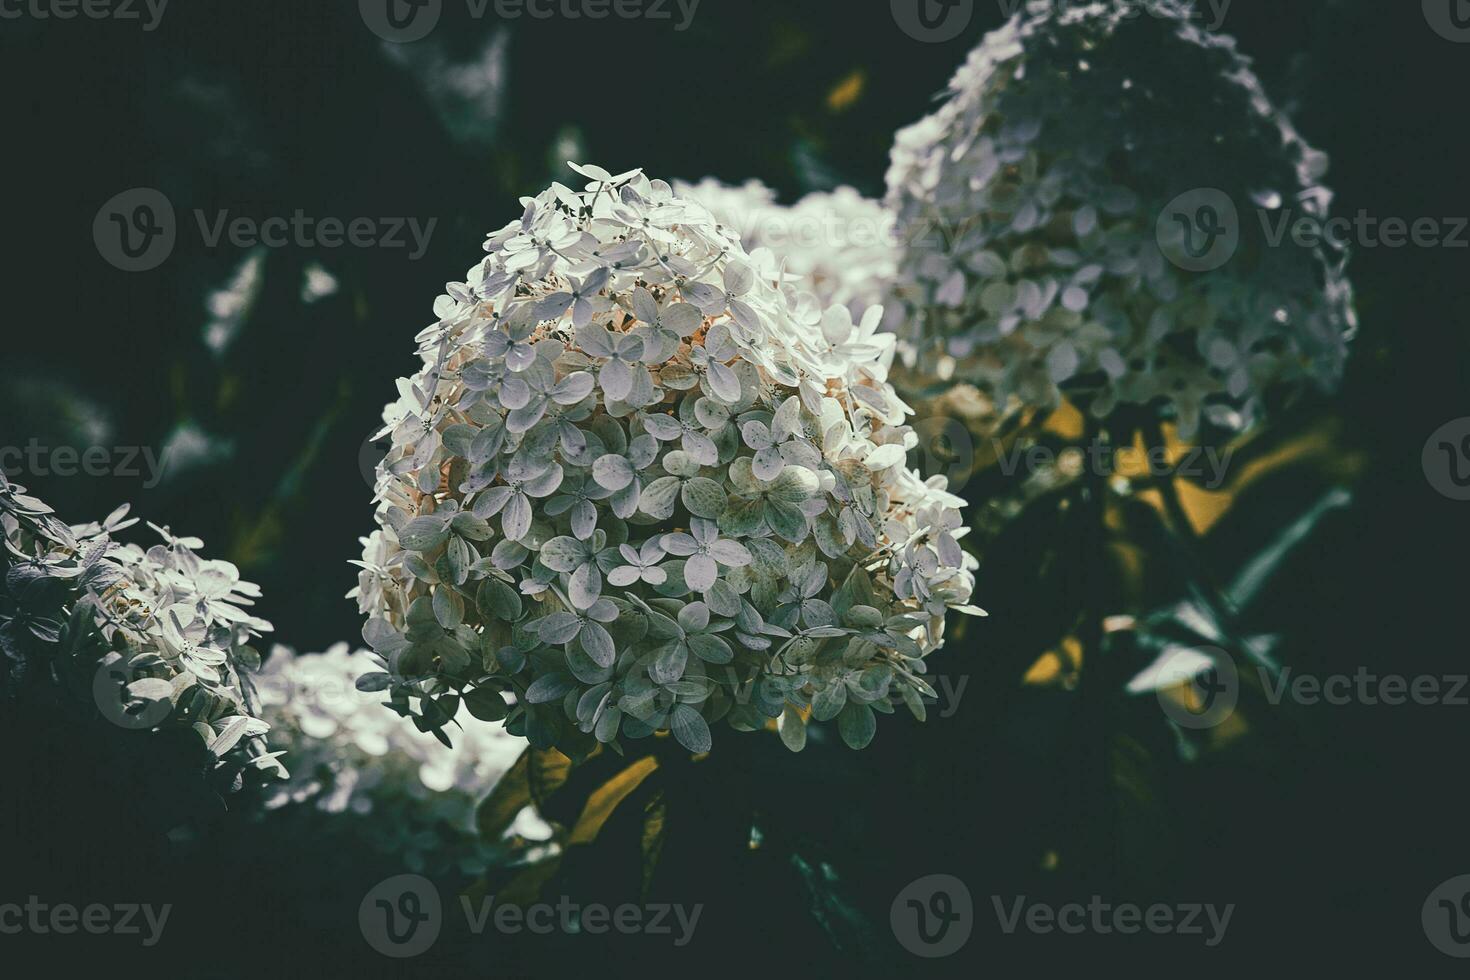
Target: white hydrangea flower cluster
[
  {"x": 1041, "y": 183},
  {"x": 842, "y": 245},
  {"x": 644, "y": 483},
  {"x": 393, "y": 790},
  {"x": 158, "y": 635}
]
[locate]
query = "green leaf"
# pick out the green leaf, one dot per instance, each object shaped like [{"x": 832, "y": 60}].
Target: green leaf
[
  {"x": 857, "y": 723},
  {"x": 786, "y": 520},
  {"x": 467, "y": 525},
  {"x": 711, "y": 649},
  {"x": 793, "y": 729},
  {"x": 668, "y": 665},
  {"x": 230, "y": 734},
  {"x": 690, "y": 728},
  {"x": 704, "y": 497},
  {"x": 549, "y": 687},
  {"x": 829, "y": 701},
  {"x": 562, "y": 554},
  {"x": 497, "y": 600},
  {"x": 374, "y": 681},
  {"x": 448, "y": 607},
  {"x": 424, "y": 533},
  {"x": 742, "y": 516},
  {"x": 150, "y": 689},
  {"x": 487, "y": 704}
]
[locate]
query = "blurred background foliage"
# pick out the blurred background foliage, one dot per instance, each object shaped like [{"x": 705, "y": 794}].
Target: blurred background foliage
[{"x": 263, "y": 372}]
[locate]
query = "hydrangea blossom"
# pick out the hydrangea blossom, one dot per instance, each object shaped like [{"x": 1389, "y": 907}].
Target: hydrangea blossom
[
  {"x": 385, "y": 785},
  {"x": 1033, "y": 200},
  {"x": 843, "y": 246},
  {"x": 619, "y": 393},
  {"x": 158, "y": 636}
]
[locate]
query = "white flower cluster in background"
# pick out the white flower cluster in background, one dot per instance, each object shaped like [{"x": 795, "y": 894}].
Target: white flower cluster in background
[
  {"x": 1035, "y": 203},
  {"x": 843, "y": 246},
  {"x": 158, "y": 636},
  {"x": 643, "y": 482},
  {"x": 415, "y": 798}
]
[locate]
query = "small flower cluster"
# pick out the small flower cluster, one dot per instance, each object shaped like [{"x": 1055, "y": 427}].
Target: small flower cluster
[
  {"x": 643, "y": 483},
  {"x": 393, "y": 791},
  {"x": 843, "y": 246},
  {"x": 1042, "y": 181},
  {"x": 158, "y": 636}
]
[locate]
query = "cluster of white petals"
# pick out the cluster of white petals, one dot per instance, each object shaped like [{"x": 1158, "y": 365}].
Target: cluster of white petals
[
  {"x": 620, "y": 395},
  {"x": 1042, "y": 254},
  {"x": 844, "y": 247},
  {"x": 158, "y": 635},
  {"x": 410, "y": 797}
]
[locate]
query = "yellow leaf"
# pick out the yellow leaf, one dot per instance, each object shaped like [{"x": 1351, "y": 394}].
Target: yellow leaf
[
  {"x": 602, "y": 803},
  {"x": 535, "y": 775},
  {"x": 1066, "y": 422},
  {"x": 1055, "y": 665},
  {"x": 847, "y": 91}
]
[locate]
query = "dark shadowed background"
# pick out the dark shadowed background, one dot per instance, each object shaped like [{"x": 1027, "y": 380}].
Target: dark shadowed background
[{"x": 256, "y": 376}]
